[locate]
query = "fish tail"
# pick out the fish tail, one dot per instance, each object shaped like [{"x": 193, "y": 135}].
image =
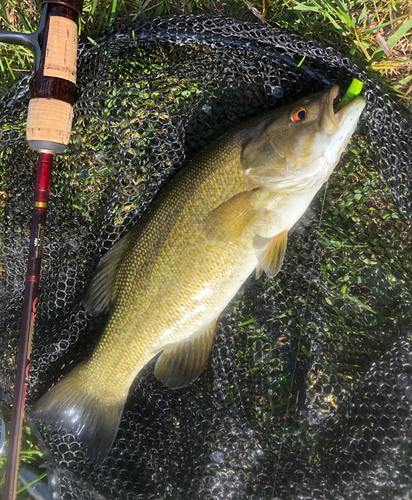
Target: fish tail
[{"x": 93, "y": 419}]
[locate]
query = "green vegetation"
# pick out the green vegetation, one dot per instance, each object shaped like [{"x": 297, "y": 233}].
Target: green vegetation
[{"x": 30, "y": 457}]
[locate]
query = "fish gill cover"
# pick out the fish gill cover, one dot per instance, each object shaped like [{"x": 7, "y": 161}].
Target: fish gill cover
[{"x": 308, "y": 389}]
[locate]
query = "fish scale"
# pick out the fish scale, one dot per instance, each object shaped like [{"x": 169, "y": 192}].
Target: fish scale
[
  {"x": 227, "y": 212},
  {"x": 174, "y": 276},
  {"x": 160, "y": 270}
]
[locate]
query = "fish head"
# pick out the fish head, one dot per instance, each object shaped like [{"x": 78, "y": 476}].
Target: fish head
[{"x": 297, "y": 146}]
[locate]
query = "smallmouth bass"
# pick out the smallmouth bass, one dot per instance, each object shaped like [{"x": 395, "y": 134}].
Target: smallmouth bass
[{"x": 225, "y": 214}]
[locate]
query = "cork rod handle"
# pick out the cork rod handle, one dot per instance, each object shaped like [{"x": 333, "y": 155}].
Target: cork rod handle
[
  {"x": 50, "y": 112},
  {"x": 49, "y": 122},
  {"x": 61, "y": 50}
]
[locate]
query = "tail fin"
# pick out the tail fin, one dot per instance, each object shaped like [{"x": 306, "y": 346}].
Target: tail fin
[{"x": 92, "y": 418}]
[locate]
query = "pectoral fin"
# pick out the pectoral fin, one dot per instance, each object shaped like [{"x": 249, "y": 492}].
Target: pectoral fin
[
  {"x": 101, "y": 291},
  {"x": 270, "y": 253},
  {"x": 230, "y": 219},
  {"x": 182, "y": 363},
  {"x": 259, "y": 272}
]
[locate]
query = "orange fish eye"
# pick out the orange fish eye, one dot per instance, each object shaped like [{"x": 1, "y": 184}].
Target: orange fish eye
[{"x": 298, "y": 115}]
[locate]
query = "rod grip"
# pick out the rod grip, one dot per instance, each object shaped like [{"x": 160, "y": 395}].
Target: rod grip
[
  {"x": 49, "y": 122},
  {"x": 61, "y": 50},
  {"x": 50, "y": 112}
]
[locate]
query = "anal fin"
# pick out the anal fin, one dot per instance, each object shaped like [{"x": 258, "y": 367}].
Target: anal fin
[{"x": 183, "y": 362}]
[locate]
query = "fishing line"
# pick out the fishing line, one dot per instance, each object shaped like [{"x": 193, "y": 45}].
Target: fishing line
[{"x": 299, "y": 341}]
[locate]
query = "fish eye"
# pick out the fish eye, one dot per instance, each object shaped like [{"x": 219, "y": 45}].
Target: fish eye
[{"x": 298, "y": 115}]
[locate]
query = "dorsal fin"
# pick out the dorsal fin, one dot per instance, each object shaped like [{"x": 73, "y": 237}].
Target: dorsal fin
[
  {"x": 101, "y": 291},
  {"x": 270, "y": 253},
  {"x": 183, "y": 362}
]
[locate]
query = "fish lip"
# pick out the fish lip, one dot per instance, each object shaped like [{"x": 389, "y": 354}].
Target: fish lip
[
  {"x": 331, "y": 98},
  {"x": 330, "y": 121},
  {"x": 327, "y": 122},
  {"x": 354, "y": 108}
]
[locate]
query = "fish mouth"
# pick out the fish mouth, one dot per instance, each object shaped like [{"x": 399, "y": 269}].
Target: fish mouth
[{"x": 330, "y": 120}]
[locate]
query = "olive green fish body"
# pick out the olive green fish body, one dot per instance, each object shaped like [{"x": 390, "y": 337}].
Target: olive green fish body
[
  {"x": 165, "y": 283},
  {"x": 171, "y": 272}
]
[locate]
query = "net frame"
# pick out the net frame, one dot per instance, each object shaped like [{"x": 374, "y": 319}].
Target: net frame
[{"x": 227, "y": 435}]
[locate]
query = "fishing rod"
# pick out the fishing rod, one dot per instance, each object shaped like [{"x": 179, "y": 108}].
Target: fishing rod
[{"x": 49, "y": 121}]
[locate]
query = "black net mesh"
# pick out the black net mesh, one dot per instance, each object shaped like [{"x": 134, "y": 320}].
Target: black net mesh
[{"x": 308, "y": 390}]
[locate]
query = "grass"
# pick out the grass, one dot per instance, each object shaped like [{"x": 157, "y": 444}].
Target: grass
[
  {"x": 363, "y": 30},
  {"x": 31, "y": 456}
]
